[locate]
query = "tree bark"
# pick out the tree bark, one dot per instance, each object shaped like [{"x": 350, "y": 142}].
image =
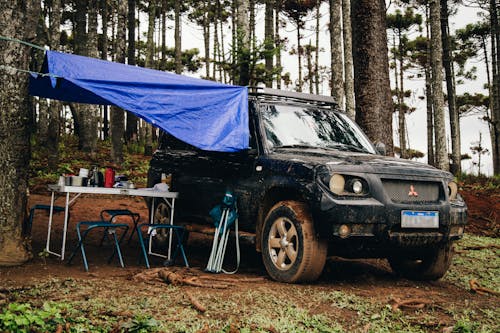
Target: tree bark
[
  {"x": 450, "y": 90},
  {"x": 495, "y": 112},
  {"x": 401, "y": 100},
  {"x": 316, "y": 53},
  {"x": 277, "y": 41},
  {"x": 348, "y": 78},
  {"x": 177, "y": 37},
  {"x": 269, "y": 41},
  {"x": 148, "y": 147},
  {"x": 14, "y": 130},
  {"x": 104, "y": 56},
  {"x": 371, "y": 71},
  {"x": 337, "y": 66},
  {"x": 299, "y": 58},
  {"x": 243, "y": 31},
  {"x": 442, "y": 160},
  {"x": 91, "y": 111},
  {"x": 55, "y": 106},
  {"x": 206, "y": 39},
  {"x": 132, "y": 120},
  {"x": 117, "y": 114}
]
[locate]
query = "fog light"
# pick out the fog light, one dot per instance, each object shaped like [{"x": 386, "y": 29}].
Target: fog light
[
  {"x": 344, "y": 231},
  {"x": 357, "y": 186}
]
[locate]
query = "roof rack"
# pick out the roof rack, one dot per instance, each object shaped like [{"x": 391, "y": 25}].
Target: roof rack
[{"x": 280, "y": 94}]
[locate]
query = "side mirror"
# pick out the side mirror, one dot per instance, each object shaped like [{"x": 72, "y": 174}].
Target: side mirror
[{"x": 380, "y": 148}]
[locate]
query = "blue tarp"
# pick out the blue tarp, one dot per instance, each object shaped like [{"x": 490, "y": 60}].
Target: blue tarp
[{"x": 205, "y": 114}]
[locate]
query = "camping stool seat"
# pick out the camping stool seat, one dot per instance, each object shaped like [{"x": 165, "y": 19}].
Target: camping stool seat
[
  {"x": 112, "y": 213},
  {"x": 151, "y": 232},
  {"x": 109, "y": 227},
  {"x": 29, "y": 225}
]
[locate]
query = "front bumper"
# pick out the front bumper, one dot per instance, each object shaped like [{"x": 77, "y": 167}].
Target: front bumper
[{"x": 368, "y": 222}]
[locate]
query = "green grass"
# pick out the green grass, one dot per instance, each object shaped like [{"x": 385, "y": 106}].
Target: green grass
[{"x": 483, "y": 265}]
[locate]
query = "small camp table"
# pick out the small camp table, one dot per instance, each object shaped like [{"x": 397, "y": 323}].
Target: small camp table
[{"x": 169, "y": 198}]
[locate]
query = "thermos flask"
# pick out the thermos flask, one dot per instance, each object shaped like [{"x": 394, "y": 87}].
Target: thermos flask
[{"x": 109, "y": 177}]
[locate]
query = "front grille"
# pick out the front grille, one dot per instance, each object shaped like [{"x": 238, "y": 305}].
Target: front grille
[{"x": 404, "y": 191}]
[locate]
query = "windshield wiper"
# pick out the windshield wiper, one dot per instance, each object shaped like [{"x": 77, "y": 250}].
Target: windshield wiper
[
  {"x": 298, "y": 146},
  {"x": 347, "y": 147}
]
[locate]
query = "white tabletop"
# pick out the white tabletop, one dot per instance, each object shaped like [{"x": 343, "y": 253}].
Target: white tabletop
[{"x": 143, "y": 192}]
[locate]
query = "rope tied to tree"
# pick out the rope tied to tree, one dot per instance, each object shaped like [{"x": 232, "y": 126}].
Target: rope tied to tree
[
  {"x": 10, "y": 68},
  {"x": 10, "y": 39}
]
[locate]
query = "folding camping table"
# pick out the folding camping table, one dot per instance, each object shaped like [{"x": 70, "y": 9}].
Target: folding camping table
[{"x": 168, "y": 197}]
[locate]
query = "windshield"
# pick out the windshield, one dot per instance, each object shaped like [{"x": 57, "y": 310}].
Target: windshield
[{"x": 299, "y": 126}]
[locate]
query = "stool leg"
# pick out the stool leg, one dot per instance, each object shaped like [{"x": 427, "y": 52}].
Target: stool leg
[
  {"x": 143, "y": 248},
  {"x": 133, "y": 229},
  {"x": 181, "y": 246},
  {"x": 117, "y": 246}
]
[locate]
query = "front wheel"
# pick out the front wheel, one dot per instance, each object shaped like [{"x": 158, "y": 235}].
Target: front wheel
[
  {"x": 291, "y": 250},
  {"x": 429, "y": 265},
  {"x": 161, "y": 215}
]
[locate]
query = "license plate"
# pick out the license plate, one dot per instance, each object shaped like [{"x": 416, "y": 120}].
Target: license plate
[{"x": 419, "y": 219}]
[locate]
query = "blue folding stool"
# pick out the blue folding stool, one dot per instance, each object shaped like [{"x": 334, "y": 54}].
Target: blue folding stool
[
  {"x": 29, "y": 225},
  {"x": 179, "y": 234},
  {"x": 112, "y": 213},
  {"x": 110, "y": 227}
]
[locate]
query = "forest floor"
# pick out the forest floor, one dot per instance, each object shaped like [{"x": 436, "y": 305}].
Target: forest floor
[{"x": 350, "y": 296}]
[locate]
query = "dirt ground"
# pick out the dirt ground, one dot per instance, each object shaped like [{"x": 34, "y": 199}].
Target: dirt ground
[{"x": 351, "y": 295}]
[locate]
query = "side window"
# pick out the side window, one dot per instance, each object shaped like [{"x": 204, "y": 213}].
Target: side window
[{"x": 170, "y": 142}]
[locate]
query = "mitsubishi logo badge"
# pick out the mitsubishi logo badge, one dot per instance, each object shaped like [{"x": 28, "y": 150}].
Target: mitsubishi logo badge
[{"x": 412, "y": 192}]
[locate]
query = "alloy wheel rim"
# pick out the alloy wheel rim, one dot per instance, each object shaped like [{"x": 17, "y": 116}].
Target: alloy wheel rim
[{"x": 283, "y": 243}]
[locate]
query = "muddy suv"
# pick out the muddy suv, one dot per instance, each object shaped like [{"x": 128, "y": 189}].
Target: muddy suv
[{"x": 311, "y": 185}]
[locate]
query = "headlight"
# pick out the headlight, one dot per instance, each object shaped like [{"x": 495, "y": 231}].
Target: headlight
[
  {"x": 452, "y": 190},
  {"x": 347, "y": 185},
  {"x": 357, "y": 186},
  {"x": 337, "y": 184}
]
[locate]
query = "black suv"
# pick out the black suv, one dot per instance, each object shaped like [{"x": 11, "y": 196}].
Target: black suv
[{"x": 311, "y": 185}]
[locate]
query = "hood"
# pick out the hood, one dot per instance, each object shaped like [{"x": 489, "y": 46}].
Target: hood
[{"x": 345, "y": 161}]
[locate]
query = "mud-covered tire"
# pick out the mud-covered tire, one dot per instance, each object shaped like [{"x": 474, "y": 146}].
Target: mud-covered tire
[
  {"x": 430, "y": 265},
  {"x": 291, "y": 249},
  {"x": 161, "y": 215}
]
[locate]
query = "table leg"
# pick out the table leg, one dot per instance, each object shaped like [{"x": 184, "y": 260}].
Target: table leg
[
  {"x": 65, "y": 228},
  {"x": 170, "y": 231},
  {"x": 47, "y": 246}
]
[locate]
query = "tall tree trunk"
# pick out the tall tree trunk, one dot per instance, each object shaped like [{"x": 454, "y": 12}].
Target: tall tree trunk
[
  {"x": 316, "y": 54},
  {"x": 337, "y": 66},
  {"x": 495, "y": 61},
  {"x": 431, "y": 157},
  {"x": 132, "y": 120},
  {"x": 216, "y": 65},
  {"x": 177, "y": 37},
  {"x": 299, "y": 57},
  {"x": 277, "y": 41},
  {"x": 401, "y": 100},
  {"x": 83, "y": 45},
  {"x": 14, "y": 131},
  {"x": 117, "y": 114},
  {"x": 206, "y": 39},
  {"x": 148, "y": 148},
  {"x": 243, "y": 32},
  {"x": 348, "y": 79},
  {"x": 371, "y": 71},
  {"x": 269, "y": 41},
  {"x": 91, "y": 111},
  {"x": 450, "y": 90},
  {"x": 55, "y": 106},
  {"x": 310, "y": 74},
  {"x": 442, "y": 161},
  {"x": 104, "y": 56}
]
